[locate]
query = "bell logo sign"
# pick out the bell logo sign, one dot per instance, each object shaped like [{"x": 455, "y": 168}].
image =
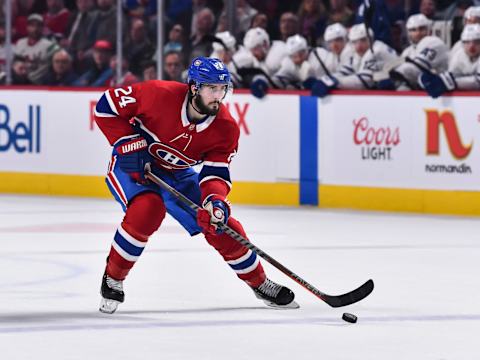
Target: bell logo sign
[{"x": 446, "y": 119}]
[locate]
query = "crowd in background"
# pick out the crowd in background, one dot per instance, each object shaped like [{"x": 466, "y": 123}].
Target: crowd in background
[{"x": 72, "y": 42}]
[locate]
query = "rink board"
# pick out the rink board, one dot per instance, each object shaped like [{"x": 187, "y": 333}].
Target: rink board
[
  {"x": 358, "y": 150},
  {"x": 49, "y": 144},
  {"x": 400, "y": 153}
]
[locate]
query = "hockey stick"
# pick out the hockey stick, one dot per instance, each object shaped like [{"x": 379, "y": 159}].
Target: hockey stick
[
  {"x": 368, "y": 12},
  {"x": 332, "y": 300}
]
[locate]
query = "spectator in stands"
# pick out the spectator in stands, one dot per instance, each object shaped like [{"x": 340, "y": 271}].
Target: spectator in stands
[
  {"x": 35, "y": 49},
  {"x": 79, "y": 37},
  {"x": 2, "y": 46},
  {"x": 61, "y": 71},
  {"x": 138, "y": 45},
  {"x": 312, "y": 17},
  {"x": 200, "y": 44},
  {"x": 260, "y": 20},
  {"x": 429, "y": 9},
  {"x": 149, "y": 71},
  {"x": 175, "y": 39},
  {"x": 172, "y": 66},
  {"x": 127, "y": 77},
  {"x": 21, "y": 10},
  {"x": 289, "y": 25},
  {"x": 19, "y": 73},
  {"x": 105, "y": 22},
  {"x": 56, "y": 18},
  {"x": 100, "y": 72},
  {"x": 140, "y": 8},
  {"x": 195, "y": 7},
  {"x": 245, "y": 14},
  {"x": 340, "y": 13}
]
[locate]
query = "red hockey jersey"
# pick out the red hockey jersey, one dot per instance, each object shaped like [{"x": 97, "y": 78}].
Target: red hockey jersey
[{"x": 158, "y": 111}]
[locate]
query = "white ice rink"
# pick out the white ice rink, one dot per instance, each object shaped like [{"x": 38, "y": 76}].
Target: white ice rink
[{"x": 184, "y": 302}]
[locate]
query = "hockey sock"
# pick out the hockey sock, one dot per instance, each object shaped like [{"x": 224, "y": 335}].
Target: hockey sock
[
  {"x": 243, "y": 261},
  {"x": 144, "y": 215}
]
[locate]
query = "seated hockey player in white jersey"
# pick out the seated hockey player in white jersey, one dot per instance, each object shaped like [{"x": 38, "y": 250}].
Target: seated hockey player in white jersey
[
  {"x": 295, "y": 68},
  {"x": 371, "y": 63},
  {"x": 463, "y": 69},
  {"x": 418, "y": 26},
  {"x": 431, "y": 55},
  {"x": 304, "y": 65},
  {"x": 224, "y": 47},
  {"x": 338, "y": 49},
  {"x": 258, "y": 56},
  {"x": 470, "y": 16}
]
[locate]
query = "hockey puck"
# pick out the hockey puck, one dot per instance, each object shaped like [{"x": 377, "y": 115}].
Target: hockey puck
[{"x": 349, "y": 318}]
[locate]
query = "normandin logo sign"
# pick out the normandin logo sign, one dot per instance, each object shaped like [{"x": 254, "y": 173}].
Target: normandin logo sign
[
  {"x": 376, "y": 142},
  {"x": 446, "y": 120}
]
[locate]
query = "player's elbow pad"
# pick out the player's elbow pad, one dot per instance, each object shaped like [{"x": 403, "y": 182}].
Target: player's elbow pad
[{"x": 103, "y": 108}]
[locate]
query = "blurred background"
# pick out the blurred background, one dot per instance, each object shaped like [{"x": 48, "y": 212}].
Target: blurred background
[{"x": 363, "y": 104}]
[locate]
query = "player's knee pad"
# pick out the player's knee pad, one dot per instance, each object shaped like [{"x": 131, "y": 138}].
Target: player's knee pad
[{"x": 144, "y": 214}]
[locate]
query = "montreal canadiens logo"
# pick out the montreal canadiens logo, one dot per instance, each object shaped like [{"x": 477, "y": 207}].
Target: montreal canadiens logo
[{"x": 169, "y": 157}]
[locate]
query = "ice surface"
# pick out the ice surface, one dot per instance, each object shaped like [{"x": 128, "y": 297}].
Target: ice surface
[{"x": 184, "y": 302}]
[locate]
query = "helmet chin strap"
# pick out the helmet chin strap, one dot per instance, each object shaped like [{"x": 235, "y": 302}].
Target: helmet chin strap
[{"x": 192, "y": 101}]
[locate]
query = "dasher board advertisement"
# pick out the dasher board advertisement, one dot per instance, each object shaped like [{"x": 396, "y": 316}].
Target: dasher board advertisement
[{"x": 400, "y": 142}]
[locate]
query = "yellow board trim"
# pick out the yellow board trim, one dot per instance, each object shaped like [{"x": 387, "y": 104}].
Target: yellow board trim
[
  {"x": 403, "y": 200},
  {"x": 94, "y": 186},
  {"x": 53, "y": 184},
  {"x": 265, "y": 193}
]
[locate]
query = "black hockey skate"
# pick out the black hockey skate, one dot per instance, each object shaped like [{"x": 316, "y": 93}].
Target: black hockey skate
[
  {"x": 275, "y": 295},
  {"x": 112, "y": 294}
]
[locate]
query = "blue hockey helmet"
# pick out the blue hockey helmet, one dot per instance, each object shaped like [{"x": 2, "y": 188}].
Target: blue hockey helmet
[{"x": 205, "y": 70}]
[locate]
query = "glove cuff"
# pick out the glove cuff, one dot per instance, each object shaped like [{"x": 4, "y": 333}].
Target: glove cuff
[
  {"x": 448, "y": 80},
  {"x": 330, "y": 81},
  {"x": 213, "y": 197},
  {"x": 132, "y": 145}
]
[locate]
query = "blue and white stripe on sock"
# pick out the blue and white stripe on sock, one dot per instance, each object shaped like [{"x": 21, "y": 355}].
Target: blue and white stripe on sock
[
  {"x": 127, "y": 246},
  {"x": 245, "y": 263}
]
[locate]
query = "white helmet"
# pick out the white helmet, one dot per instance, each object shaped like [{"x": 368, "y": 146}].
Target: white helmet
[
  {"x": 358, "y": 32},
  {"x": 471, "y": 12},
  {"x": 471, "y": 32},
  {"x": 227, "y": 39},
  {"x": 335, "y": 31},
  {"x": 256, "y": 36},
  {"x": 418, "y": 20},
  {"x": 295, "y": 44}
]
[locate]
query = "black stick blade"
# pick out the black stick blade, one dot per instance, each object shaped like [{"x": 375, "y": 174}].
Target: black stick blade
[{"x": 351, "y": 297}]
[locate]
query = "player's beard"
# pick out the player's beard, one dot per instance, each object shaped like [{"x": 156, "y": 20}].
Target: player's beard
[{"x": 204, "y": 108}]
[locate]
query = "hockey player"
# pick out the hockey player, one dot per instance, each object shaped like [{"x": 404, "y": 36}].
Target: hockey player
[
  {"x": 296, "y": 67},
  {"x": 418, "y": 26},
  {"x": 224, "y": 47},
  {"x": 339, "y": 49},
  {"x": 303, "y": 65},
  {"x": 470, "y": 16},
  {"x": 370, "y": 64},
  {"x": 463, "y": 69},
  {"x": 170, "y": 127},
  {"x": 430, "y": 55},
  {"x": 258, "y": 57}
]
